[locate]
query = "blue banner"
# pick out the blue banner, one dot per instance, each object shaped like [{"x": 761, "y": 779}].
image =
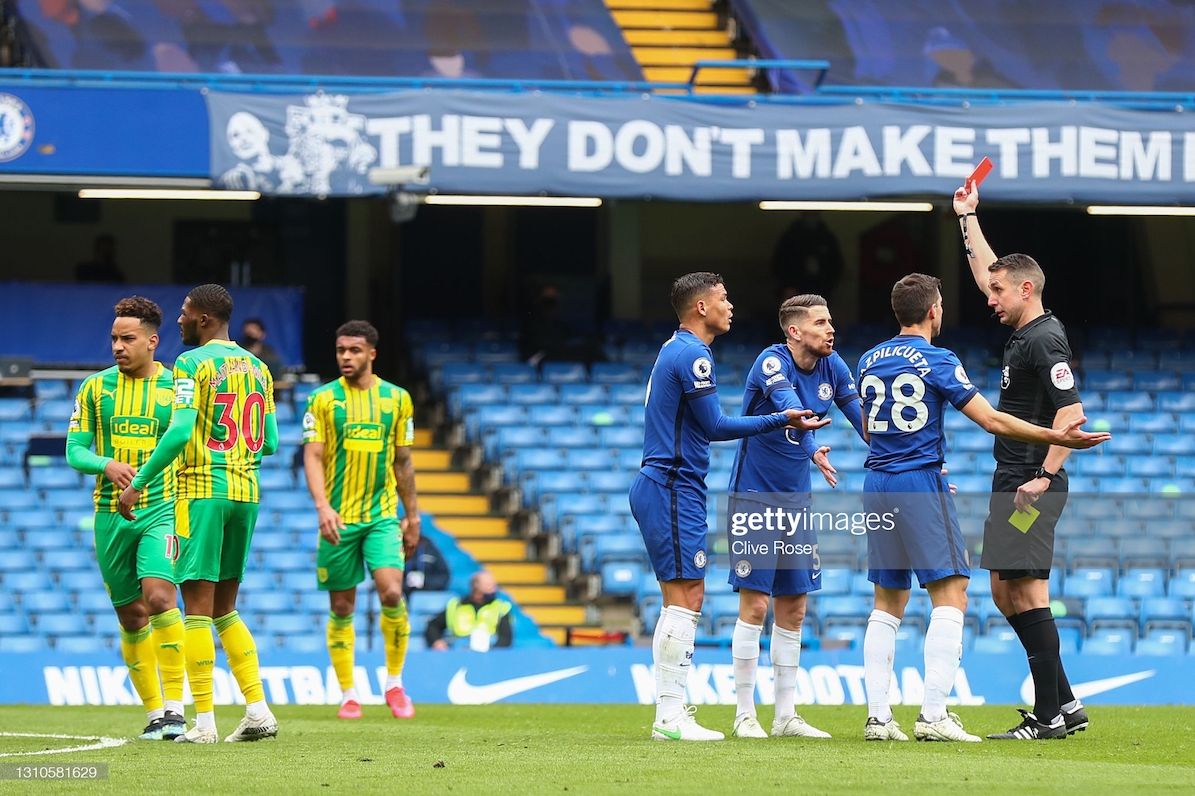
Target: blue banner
[
  {"x": 327, "y": 144},
  {"x": 591, "y": 675},
  {"x": 69, "y": 324}
]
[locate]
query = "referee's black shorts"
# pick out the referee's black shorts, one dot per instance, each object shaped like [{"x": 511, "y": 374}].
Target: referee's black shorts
[{"x": 1007, "y": 550}]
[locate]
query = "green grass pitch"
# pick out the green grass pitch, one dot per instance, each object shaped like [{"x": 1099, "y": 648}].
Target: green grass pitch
[{"x": 583, "y": 749}]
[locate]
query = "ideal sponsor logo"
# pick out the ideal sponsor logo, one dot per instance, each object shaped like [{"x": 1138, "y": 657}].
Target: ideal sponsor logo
[
  {"x": 713, "y": 684},
  {"x": 137, "y": 433},
  {"x": 285, "y": 685},
  {"x": 364, "y": 437}
]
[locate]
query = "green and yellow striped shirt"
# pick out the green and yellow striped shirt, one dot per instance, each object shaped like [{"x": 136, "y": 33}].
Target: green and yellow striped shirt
[
  {"x": 127, "y": 416},
  {"x": 360, "y": 430},
  {"x": 232, "y": 391}
]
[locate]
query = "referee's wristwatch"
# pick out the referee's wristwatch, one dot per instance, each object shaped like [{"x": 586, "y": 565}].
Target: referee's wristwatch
[{"x": 1042, "y": 472}]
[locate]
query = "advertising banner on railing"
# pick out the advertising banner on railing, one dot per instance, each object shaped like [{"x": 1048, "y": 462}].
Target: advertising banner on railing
[
  {"x": 327, "y": 144},
  {"x": 611, "y": 675}
]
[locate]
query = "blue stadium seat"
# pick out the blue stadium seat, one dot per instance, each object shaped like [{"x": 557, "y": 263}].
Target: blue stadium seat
[
  {"x": 1172, "y": 486},
  {"x": 81, "y": 580},
  {"x": 1137, "y": 551},
  {"x": 551, "y": 415},
  {"x": 1148, "y": 509},
  {"x": 22, "y": 643},
  {"x": 1097, "y": 466},
  {"x": 93, "y": 602},
  {"x": 54, "y": 478},
  {"x": 621, "y": 578},
  {"x": 266, "y": 539},
  {"x": 971, "y": 484},
  {"x": 530, "y": 394},
  {"x": 836, "y": 581},
  {"x": 454, "y": 374},
  {"x": 1119, "y": 486},
  {"x": 17, "y": 561},
  {"x": 439, "y": 353},
  {"x": 428, "y": 603},
  {"x": 851, "y": 606},
  {"x": 606, "y": 415},
  {"x": 628, "y": 394},
  {"x": 497, "y": 352},
  {"x": 1118, "y": 528},
  {"x": 564, "y": 373},
  {"x": 1155, "y": 381},
  {"x": 1131, "y": 402},
  {"x": 1094, "y": 551},
  {"x": 514, "y": 373},
  {"x": 54, "y": 411},
  {"x": 306, "y": 644},
  {"x": 14, "y": 409},
  {"x": 588, "y": 459},
  {"x": 1106, "y": 380},
  {"x": 265, "y": 602},
  {"x": 12, "y": 624},
  {"x": 849, "y": 461},
  {"x": 584, "y": 394},
  {"x": 509, "y": 437},
  {"x": 1070, "y": 640},
  {"x": 286, "y": 624},
  {"x": 23, "y": 581},
  {"x": 56, "y": 539},
  {"x": 572, "y": 436},
  {"x": 1163, "y": 643},
  {"x": 297, "y": 581},
  {"x": 462, "y": 399},
  {"x": 976, "y": 441},
  {"x": 483, "y": 418},
  {"x": 1167, "y": 612},
  {"x": 1181, "y": 402},
  {"x": 1088, "y": 583},
  {"x": 621, "y": 437},
  {"x": 1132, "y": 360},
  {"x": 527, "y": 460},
  {"x": 567, "y": 503},
  {"x": 62, "y": 560},
  {"x": 1176, "y": 360},
  {"x": 722, "y": 610},
  {"x": 61, "y": 624},
  {"x": 1182, "y": 584},
  {"x": 1111, "y": 611},
  {"x": 637, "y": 415},
  {"x": 576, "y": 528},
  {"x": 79, "y": 645},
  {"x": 1140, "y": 583},
  {"x": 276, "y": 480},
  {"x": 998, "y": 642},
  {"x": 289, "y": 561},
  {"x": 614, "y": 481},
  {"x": 1109, "y": 642},
  {"x": 300, "y": 522},
  {"x": 548, "y": 482},
  {"x": 1116, "y": 422},
  {"x": 12, "y": 478},
  {"x": 1160, "y": 340},
  {"x": 69, "y": 500},
  {"x": 1174, "y": 444},
  {"x": 614, "y": 373},
  {"x": 1153, "y": 423}
]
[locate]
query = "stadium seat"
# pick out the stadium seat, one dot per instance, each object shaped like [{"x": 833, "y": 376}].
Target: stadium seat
[
  {"x": 1094, "y": 551},
  {"x": 588, "y": 459},
  {"x": 851, "y": 606},
  {"x": 998, "y": 642},
  {"x": 54, "y": 478},
  {"x": 621, "y": 578},
  {"x": 616, "y": 481},
  {"x": 94, "y": 602},
  {"x": 544, "y": 415},
  {"x": 12, "y": 478},
  {"x": 1140, "y": 583},
  {"x": 1155, "y": 381},
  {"x": 70, "y": 499},
  {"x": 1176, "y": 360},
  {"x": 46, "y": 602},
  {"x": 286, "y": 624},
  {"x": 1153, "y": 423},
  {"x": 549, "y": 482},
  {"x": 1132, "y": 360},
  {"x": 1182, "y": 584},
  {"x": 1131, "y": 402},
  {"x": 614, "y": 373},
  {"x": 16, "y": 561},
  {"x": 628, "y": 394},
  {"x": 276, "y": 480},
  {"x": 12, "y": 624},
  {"x": 306, "y": 644},
  {"x": 572, "y": 436},
  {"x": 1070, "y": 640},
  {"x": 1180, "y": 402},
  {"x": 636, "y": 416},
  {"x": 578, "y": 527},
  {"x": 514, "y": 373},
  {"x": 1163, "y": 644},
  {"x": 584, "y": 394},
  {"x": 531, "y": 394},
  {"x": 22, "y": 643},
  {"x": 621, "y": 437},
  {"x": 454, "y": 374},
  {"x": 55, "y": 412},
  {"x": 976, "y": 441},
  {"x": 1165, "y": 612},
  {"x": 79, "y": 645},
  {"x": 23, "y": 582},
  {"x": 534, "y": 459},
  {"x": 289, "y": 561},
  {"x": 1110, "y": 611},
  {"x": 496, "y": 352},
  {"x": 1143, "y": 552},
  {"x": 1174, "y": 444},
  {"x": 1182, "y": 552},
  {"x": 297, "y": 581},
  {"x": 266, "y": 602},
  {"x": 1106, "y": 380},
  {"x": 1088, "y": 583},
  {"x": 15, "y": 409},
  {"x": 563, "y": 373},
  {"x": 1122, "y": 486},
  {"x": 428, "y": 603},
  {"x": 1109, "y": 642},
  {"x": 1116, "y": 422},
  {"x": 835, "y": 581},
  {"x": 60, "y": 624}
]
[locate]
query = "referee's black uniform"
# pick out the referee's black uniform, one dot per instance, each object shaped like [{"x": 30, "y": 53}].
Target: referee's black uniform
[{"x": 1035, "y": 383}]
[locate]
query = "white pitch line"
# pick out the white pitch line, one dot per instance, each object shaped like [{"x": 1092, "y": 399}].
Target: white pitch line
[{"x": 102, "y": 742}]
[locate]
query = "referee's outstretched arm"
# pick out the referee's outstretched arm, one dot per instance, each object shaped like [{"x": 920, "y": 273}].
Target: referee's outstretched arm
[{"x": 979, "y": 253}]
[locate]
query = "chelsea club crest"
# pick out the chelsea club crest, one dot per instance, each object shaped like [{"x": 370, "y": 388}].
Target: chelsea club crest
[{"x": 16, "y": 127}]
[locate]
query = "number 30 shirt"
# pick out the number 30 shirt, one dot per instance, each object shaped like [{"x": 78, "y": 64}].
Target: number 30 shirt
[
  {"x": 232, "y": 391},
  {"x": 905, "y": 384}
]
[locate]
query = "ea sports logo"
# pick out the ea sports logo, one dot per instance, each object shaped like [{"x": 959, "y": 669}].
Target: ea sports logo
[
  {"x": 16, "y": 127},
  {"x": 702, "y": 368},
  {"x": 742, "y": 568}
]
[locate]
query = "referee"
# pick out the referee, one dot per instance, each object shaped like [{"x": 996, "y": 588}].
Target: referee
[{"x": 1029, "y": 487}]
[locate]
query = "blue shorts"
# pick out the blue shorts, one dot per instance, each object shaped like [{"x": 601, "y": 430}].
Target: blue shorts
[
  {"x": 780, "y": 562},
  {"x": 673, "y": 525},
  {"x": 919, "y": 529}
]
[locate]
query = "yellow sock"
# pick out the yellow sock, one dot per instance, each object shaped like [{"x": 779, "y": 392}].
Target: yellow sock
[
  {"x": 168, "y": 637},
  {"x": 137, "y": 648},
  {"x": 241, "y": 650},
  {"x": 200, "y": 650},
  {"x": 342, "y": 639},
  {"x": 396, "y": 629}
]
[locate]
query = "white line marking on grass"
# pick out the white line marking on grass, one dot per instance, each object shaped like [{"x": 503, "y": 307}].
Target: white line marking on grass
[{"x": 101, "y": 742}]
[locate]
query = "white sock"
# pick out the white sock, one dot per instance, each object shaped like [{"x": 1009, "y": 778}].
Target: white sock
[
  {"x": 744, "y": 648},
  {"x": 155, "y": 714},
  {"x": 349, "y": 695},
  {"x": 943, "y": 651},
  {"x": 879, "y": 648},
  {"x": 393, "y": 681},
  {"x": 174, "y": 706},
  {"x": 1072, "y": 705},
  {"x": 786, "y": 658},
  {"x": 257, "y": 710},
  {"x": 206, "y": 721},
  {"x": 677, "y": 629}
]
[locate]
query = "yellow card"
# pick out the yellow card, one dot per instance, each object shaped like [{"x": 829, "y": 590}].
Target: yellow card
[{"x": 1023, "y": 520}]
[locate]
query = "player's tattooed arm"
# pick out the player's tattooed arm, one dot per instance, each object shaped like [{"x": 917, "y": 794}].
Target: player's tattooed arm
[
  {"x": 979, "y": 253},
  {"x": 404, "y": 475}
]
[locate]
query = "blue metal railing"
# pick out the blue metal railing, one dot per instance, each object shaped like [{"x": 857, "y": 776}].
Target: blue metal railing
[{"x": 821, "y": 67}]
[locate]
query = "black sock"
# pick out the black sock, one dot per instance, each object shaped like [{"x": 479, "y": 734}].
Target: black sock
[
  {"x": 1039, "y": 635},
  {"x": 1065, "y": 695}
]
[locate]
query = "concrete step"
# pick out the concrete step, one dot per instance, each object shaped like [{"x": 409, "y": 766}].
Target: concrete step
[
  {"x": 442, "y": 482},
  {"x": 523, "y": 573},
  {"x": 535, "y": 594},
  {"x": 675, "y": 38},
  {"x": 494, "y": 550},
  {"x": 430, "y": 460},
  {"x": 666, "y": 20},
  {"x": 453, "y": 504},
  {"x": 423, "y": 438},
  {"x": 680, "y": 74},
  {"x": 682, "y": 56},
  {"x": 466, "y": 526},
  {"x": 671, "y": 5},
  {"x": 556, "y": 614}
]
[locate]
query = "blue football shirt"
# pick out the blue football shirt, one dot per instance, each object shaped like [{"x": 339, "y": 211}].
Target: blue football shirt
[
  {"x": 778, "y": 462},
  {"x": 683, "y": 414},
  {"x": 905, "y": 384}
]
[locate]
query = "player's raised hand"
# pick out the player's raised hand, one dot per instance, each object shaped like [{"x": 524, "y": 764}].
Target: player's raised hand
[
  {"x": 823, "y": 463},
  {"x": 1071, "y": 436},
  {"x": 804, "y": 420},
  {"x": 120, "y": 473},
  {"x": 330, "y": 524},
  {"x": 128, "y": 499},
  {"x": 412, "y": 528},
  {"x": 966, "y": 199}
]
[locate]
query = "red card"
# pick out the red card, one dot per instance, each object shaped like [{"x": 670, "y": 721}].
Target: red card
[{"x": 981, "y": 171}]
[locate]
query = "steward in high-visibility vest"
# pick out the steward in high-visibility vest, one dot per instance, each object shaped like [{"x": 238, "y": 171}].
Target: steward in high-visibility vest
[{"x": 480, "y": 609}]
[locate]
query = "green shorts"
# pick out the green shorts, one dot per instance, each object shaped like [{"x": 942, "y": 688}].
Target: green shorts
[
  {"x": 129, "y": 551},
  {"x": 376, "y": 545},
  {"x": 213, "y": 539}
]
